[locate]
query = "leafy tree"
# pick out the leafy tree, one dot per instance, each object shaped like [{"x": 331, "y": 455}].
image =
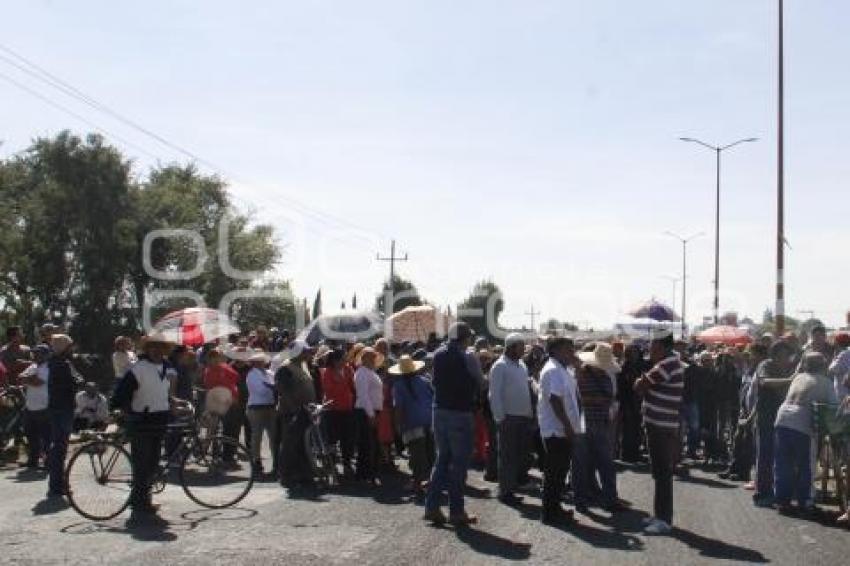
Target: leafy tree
[
  {"x": 317, "y": 304},
  {"x": 74, "y": 224},
  {"x": 404, "y": 294},
  {"x": 482, "y": 308}
]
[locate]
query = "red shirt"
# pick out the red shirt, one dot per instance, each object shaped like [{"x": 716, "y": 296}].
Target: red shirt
[
  {"x": 222, "y": 375},
  {"x": 339, "y": 388}
]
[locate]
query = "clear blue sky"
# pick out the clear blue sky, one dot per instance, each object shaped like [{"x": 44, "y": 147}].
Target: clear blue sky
[{"x": 531, "y": 142}]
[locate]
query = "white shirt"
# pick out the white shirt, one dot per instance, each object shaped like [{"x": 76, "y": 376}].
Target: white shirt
[
  {"x": 260, "y": 384},
  {"x": 369, "y": 390},
  {"x": 37, "y": 394},
  {"x": 561, "y": 382},
  {"x": 93, "y": 409}
]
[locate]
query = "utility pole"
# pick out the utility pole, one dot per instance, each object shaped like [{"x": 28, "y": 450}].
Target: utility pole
[
  {"x": 780, "y": 181},
  {"x": 532, "y": 313},
  {"x": 392, "y": 259}
]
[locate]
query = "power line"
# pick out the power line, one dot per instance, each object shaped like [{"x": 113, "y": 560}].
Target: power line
[
  {"x": 58, "y": 106},
  {"x": 72, "y": 91}
]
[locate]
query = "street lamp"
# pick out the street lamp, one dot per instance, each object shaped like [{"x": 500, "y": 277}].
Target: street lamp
[
  {"x": 780, "y": 178},
  {"x": 717, "y": 149},
  {"x": 684, "y": 272}
]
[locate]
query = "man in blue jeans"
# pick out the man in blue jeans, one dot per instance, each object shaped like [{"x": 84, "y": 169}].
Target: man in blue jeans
[
  {"x": 63, "y": 382},
  {"x": 457, "y": 381}
]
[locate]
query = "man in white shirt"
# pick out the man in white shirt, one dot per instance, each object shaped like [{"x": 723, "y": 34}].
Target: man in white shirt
[
  {"x": 36, "y": 419},
  {"x": 560, "y": 419},
  {"x": 510, "y": 403}
]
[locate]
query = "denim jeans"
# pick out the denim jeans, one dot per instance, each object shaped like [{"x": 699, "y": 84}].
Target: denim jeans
[
  {"x": 793, "y": 467},
  {"x": 453, "y": 432},
  {"x": 593, "y": 454},
  {"x": 764, "y": 460},
  {"x": 690, "y": 414},
  {"x": 61, "y": 424}
]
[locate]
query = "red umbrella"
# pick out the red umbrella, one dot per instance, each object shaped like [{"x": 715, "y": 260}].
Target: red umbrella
[
  {"x": 195, "y": 326},
  {"x": 727, "y": 335}
]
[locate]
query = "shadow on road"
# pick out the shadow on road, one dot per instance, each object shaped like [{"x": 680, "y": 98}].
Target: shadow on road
[
  {"x": 707, "y": 482},
  {"x": 162, "y": 530},
  {"x": 713, "y": 548},
  {"x": 50, "y": 505},
  {"x": 483, "y": 542},
  {"x": 28, "y": 475}
]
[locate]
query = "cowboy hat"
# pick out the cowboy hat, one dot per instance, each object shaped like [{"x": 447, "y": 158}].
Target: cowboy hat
[
  {"x": 602, "y": 357},
  {"x": 406, "y": 366},
  {"x": 369, "y": 351},
  {"x": 238, "y": 353},
  {"x": 156, "y": 338},
  {"x": 258, "y": 356}
]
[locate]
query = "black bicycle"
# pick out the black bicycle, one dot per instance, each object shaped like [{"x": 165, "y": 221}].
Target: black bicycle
[
  {"x": 12, "y": 401},
  {"x": 321, "y": 454},
  {"x": 214, "y": 471}
]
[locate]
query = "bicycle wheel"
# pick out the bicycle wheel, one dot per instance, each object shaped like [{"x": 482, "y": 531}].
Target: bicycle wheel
[
  {"x": 99, "y": 478},
  {"x": 217, "y": 473},
  {"x": 322, "y": 460}
]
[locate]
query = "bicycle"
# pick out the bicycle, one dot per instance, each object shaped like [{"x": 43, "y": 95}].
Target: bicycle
[
  {"x": 12, "y": 402},
  {"x": 321, "y": 454},
  {"x": 215, "y": 472}
]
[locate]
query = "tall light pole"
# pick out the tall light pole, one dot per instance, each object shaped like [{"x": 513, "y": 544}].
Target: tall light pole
[
  {"x": 685, "y": 273},
  {"x": 717, "y": 149},
  {"x": 780, "y": 181}
]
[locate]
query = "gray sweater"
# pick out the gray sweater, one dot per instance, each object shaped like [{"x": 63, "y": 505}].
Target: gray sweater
[{"x": 796, "y": 411}]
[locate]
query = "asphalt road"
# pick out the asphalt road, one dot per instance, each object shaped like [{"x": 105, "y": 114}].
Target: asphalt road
[{"x": 714, "y": 520}]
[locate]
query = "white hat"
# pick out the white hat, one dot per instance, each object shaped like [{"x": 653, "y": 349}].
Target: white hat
[
  {"x": 601, "y": 357},
  {"x": 514, "y": 338}
]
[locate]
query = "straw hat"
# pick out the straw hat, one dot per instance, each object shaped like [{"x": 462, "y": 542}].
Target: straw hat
[
  {"x": 406, "y": 366},
  {"x": 367, "y": 352},
  {"x": 156, "y": 338},
  {"x": 354, "y": 352},
  {"x": 259, "y": 356},
  {"x": 602, "y": 357}
]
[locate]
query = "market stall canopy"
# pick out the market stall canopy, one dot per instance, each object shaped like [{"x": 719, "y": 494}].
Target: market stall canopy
[{"x": 726, "y": 335}]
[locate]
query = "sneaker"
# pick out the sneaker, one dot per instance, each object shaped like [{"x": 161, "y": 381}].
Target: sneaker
[
  {"x": 657, "y": 527},
  {"x": 463, "y": 519},
  {"x": 435, "y": 516},
  {"x": 844, "y": 519},
  {"x": 646, "y": 521},
  {"x": 750, "y": 486}
]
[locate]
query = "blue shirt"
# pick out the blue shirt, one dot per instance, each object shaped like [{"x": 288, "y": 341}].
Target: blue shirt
[{"x": 414, "y": 397}]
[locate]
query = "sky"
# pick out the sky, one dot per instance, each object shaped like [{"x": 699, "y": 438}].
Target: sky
[{"x": 531, "y": 143}]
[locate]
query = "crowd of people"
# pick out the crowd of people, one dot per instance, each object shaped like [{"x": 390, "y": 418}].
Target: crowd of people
[{"x": 570, "y": 410}]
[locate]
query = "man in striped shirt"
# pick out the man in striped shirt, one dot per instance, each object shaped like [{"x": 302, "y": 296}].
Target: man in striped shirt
[{"x": 662, "y": 389}]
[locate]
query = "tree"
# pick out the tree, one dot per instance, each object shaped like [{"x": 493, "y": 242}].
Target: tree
[
  {"x": 317, "y": 304},
  {"x": 274, "y": 305},
  {"x": 74, "y": 223},
  {"x": 482, "y": 308},
  {"x": 404, "y": 294}
]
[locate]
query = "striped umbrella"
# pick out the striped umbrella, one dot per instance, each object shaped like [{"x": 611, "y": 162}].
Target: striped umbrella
[{"x": 195, "y": 326}]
